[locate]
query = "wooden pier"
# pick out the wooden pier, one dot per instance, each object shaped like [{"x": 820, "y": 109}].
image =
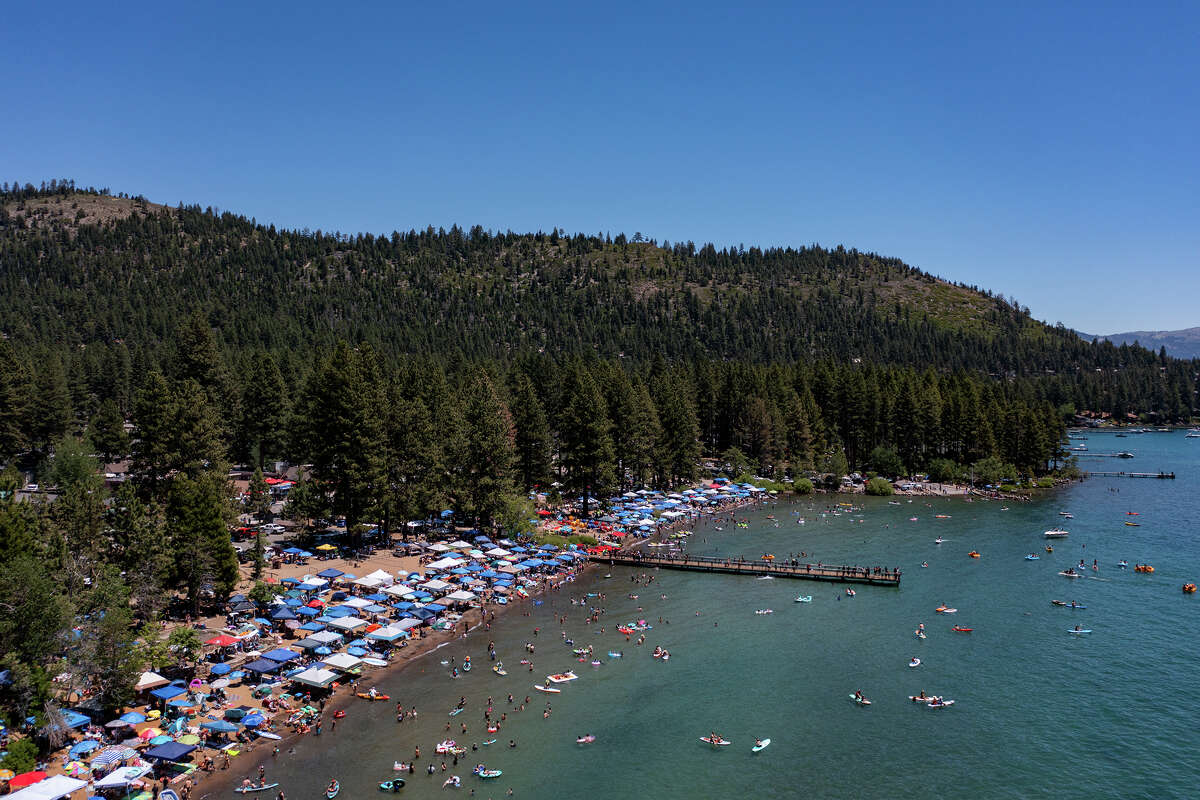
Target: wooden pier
[
  {"x": 1164, "y": 476},
  {"x": 732, "y": 566}
]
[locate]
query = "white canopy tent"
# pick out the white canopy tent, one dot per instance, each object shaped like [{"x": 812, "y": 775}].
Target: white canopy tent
[
  {"x": 342, "y": 661},
  {"x": 315, "y": 676},
  {"x": 52, "y": 788},
  {"x": 150, "y": 680}
]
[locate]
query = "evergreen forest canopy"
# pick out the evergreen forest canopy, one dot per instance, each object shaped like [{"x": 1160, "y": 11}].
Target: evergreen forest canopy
[{"x": 455, "y": 369}]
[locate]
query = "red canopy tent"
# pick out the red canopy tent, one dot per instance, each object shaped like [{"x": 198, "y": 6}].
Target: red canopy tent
[{"x": 26, "y": 779}]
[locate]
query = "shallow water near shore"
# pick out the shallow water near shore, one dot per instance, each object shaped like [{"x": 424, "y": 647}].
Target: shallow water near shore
[{"x": 1038, "y": 711}]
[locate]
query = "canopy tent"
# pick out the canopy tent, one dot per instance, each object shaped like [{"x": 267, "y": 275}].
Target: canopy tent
[
  {"x": 389, "y": 634},
  {"x": 150, "y": 680},
  {"x": 170, "y": 692},
  {"x": 330, "y": 573},
  {"x": 262, "y": 665},
  {"x": 461, "y": 596},
  {"x": 172, "y": 751},
  {"x": 348, "y": 623},
  {"x": 446, "y": 563},
  {"x": 342, "y": 661},
  {"x": 52, "y": 788},
  {"x": 314, "y": 676},
  {"x": 281, "y": 655},
  {"x": 121, "y": 777}
]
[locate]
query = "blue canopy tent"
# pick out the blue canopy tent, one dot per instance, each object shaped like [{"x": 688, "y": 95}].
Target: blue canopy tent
[
  {"x": 262, "y": 665},
  {"x": 330, "y": 573},
  {"x": 281, "y": 655},
  {"x": 133, "y": 717},
  {"x": 172, "y": 751},
  {"x": 283, "y": 612},
  {"x": 170, "y": 692},
  {"x": 312, "y": 627}
]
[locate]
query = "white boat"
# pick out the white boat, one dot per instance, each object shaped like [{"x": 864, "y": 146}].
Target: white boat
[
  {"x": 1056, "y": 533},
  {"x": 562, "y": 677}
]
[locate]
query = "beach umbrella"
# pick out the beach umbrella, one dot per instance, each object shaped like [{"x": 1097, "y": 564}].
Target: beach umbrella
[
  {"x": 109, "y": 755},
  {"x": 220, "y": 683},
  {"x": 323, "y": 651},
  {"x": 81, "y": 748},
  {"x": 149, "y": 734},
  {"x": 5, "y": 774},
  {"x": 189, "y": 738},
  {"x": 219, "y": 726},
  {"x": 161, "y": 739},
  {"x": 253, "y": 720},
  {"x": 117, "y": 723},
  {"x": 356, "y": 651},
  {"x": 235, "y": 713},
  {"x": 133, "y": 717},
  {"x": 75, "y": 768}
]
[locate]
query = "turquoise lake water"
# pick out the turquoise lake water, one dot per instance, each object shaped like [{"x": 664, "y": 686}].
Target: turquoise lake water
[{"x": 1038, "y": 711}]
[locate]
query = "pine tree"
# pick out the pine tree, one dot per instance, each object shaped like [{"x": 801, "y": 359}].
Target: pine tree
[
  {"x": 15, "y": 397},
  {"x": 532, "y": 434},
  {"x": 585, "y": 447},
  {"x": 106, "y": 431},
  {"x": 490, "y": 453},
  {"x": 204, "y": 559}
]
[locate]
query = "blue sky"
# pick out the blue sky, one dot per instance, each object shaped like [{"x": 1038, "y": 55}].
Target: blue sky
[{"x": 1045, "y": 151}]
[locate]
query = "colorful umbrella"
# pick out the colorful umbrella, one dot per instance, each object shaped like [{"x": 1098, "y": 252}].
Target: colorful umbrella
[
  {"x": 149, "y": 734},
  {"x": 5, "y": 774},
  {"x": 189, "y": 738}
]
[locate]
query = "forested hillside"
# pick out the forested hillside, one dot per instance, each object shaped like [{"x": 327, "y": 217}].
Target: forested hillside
[{"x": 787, "y": 354}]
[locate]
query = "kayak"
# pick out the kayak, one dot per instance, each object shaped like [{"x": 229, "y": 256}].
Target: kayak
[
  {"x": 268, "y": 735},
  {"x": 333, "y": 791},
  {"x": 392, "y": 785},
  {"x": 941, "y": 704},
  {"x": 862, "y": 701},
  {"x": 456, "y": 712},
  {"x": 961, "y": 629},
  {"x": 366, "y": 696},
  {"x": 249, "y": 789},
  {"x": 547, "y": 689},
  {"x": 715, "y": 743},
  {"x": 1071, "y": 574},
  {"x": 585, "y": 739},
  {"x": 916, "y": 662},
  {"x": 1065, "y": 604},
  {"x": 375, "y": 662},
  {"x": 763, "y": 745},
  {"x": 945, "y": 610},
  {"x": 1078, "y": 632},
  {"x": 1032, "y": 557},
  {"x": 612, "y": 654},
  {"x": 805, "y": 599},
  {"x": 488, "y": 742}
]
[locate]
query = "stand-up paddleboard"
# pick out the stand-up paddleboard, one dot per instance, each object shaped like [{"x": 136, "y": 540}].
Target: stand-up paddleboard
[
  {"x": 249, "y": 789},
  {"x": 547, "y": 689},
  {"x": 916, "y": 662},
  {"x": 763, "y": 745},
  {"x": 265, "y": 735},
  {"x": 805, "y": 599},
  {"x": 456, "y": 712},
  {"x": 862, "y": 701}
]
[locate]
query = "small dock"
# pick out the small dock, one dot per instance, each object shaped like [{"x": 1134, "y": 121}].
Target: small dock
[
  {"x": 1162, "y": 476},
  {"x": 733, "y": 566}
]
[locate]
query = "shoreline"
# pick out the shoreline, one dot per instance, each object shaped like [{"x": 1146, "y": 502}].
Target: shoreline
[{"x": 221, "y": 780}]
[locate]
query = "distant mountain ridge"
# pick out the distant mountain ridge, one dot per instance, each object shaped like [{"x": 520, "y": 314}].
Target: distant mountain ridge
[{"x": 1180, "y": 344}]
